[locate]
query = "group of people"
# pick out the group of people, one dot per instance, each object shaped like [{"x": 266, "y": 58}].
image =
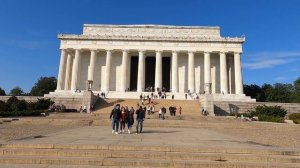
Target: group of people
[{"x": 122, "y": 116}]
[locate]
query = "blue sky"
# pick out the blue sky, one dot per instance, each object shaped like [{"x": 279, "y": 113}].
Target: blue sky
[{"x": 29, "y": 47}]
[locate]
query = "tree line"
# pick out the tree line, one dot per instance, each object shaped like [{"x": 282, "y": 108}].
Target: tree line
[
  {"x": 278, "y": 92},
  {"x": 44, "y": 85}
]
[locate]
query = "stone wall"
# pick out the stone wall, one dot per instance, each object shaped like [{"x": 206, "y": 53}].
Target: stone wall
[{"x": 223, "y": 108}]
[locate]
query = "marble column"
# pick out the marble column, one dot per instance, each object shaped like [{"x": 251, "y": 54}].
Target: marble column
[
  {"x": 124, "y": 70},
  {"x": 207, "y": 73},
  {"x": 107, "y": 71},
  {"x": 158, "y": 70},
  {"x": 141, "y": 72},
  {"x": 75, "y": 70},
  {"x": 92, "y": 65},
  {"x": 191, "y": 72},
  {"x": 174, "y": 71},
  {"x": 61, "y": 71},
  {"x": 238, "y": 74},
  {"x": 68, "y": 71},
  {"x": 223, "y": 73}
]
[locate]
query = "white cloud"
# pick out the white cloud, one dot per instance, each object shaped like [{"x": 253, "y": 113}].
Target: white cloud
[
  {"x": 280, "y": 78},
  {"x": 262, "y": 60}
]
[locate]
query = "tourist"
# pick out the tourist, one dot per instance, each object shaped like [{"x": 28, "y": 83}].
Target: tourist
[
  {"x": 130, "y": 120},
  {"x": 163, "y": 112},
  {"x": 140, "y": 116},
  {"x": 152, "y": 109},
  {"x": 115, "y": 115},
  {"x": 185, "y": 96},
  {"x": 142, "y": 101},
  {"x": 148, "y": 110},
  {"x": 180, "y": 109},
  {"x": 172, "y": 97},
  {"x": 123, "y": 120},
  {"x": 160, "y": 114},
  {"x": 141, "y": 97}
]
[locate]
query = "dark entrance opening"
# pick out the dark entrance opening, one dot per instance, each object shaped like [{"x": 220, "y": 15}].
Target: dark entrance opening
[
  {"x": 149, "y": 73},
  {"x": 166, "y": 65},
  {"x": 134, "y": 73}
]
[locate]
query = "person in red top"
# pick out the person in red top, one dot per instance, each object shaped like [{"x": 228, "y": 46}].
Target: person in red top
[{"x": 123, "y": 120}]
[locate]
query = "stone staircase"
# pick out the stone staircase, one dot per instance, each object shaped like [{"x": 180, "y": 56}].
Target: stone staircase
[{"x": 80, "y": 155}]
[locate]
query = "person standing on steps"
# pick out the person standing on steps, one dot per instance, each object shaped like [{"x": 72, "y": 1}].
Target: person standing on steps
[
  {"x": 140, "y": 116},
  {"x": 123, "y": 120},
  {"x": 130, "y": 120},
  {"x": 115, "y": 115}
]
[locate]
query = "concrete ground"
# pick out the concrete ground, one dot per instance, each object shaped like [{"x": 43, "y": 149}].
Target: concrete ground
[{"x": 101, "y": 135}]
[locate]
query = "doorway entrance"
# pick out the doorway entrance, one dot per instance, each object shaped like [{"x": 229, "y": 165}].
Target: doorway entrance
[
  {"x": 149, "y": 73},
  {"x": 133, "y": 73},
  {"x": 166, "y": 73}
]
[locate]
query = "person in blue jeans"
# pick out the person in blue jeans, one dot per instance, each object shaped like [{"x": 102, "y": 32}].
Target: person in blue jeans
[
  {"x": 115, "y": 115},
  {"x": 140, "y": 116}
]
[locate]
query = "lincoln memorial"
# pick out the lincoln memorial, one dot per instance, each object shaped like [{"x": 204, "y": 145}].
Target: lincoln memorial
[{"x": 136, "y": 57}]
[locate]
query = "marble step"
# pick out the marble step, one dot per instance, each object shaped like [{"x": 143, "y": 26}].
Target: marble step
[
  {"x": 136, "y": 162},
  {"x": 149, "y": 155}
]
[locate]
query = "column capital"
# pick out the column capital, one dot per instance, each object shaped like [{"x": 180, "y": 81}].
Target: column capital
[
  {"x": 175, "y": 52},
  {"x": 158, "y": 51},
  {"x": 125, "y": 51},
  {"x": 109, "y": 51},
  {"x": 206, "y": 53},
  {"x": 142, "y": 51},
  {"x": 237, "y": 53},
  {"x": 191, "y": 52},
  {"x": 222, "y": 52}
]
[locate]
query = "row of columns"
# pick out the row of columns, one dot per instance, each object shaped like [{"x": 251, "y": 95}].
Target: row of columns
[{"x": 70, "y": 68}]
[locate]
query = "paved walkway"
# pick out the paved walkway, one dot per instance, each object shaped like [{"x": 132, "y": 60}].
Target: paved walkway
[{"x": 101, "y": 135}]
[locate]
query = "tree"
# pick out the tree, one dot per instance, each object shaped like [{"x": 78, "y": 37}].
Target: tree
[
  {"x": 281, "y": 93},
  {"x": 297, "y": 86},
  {"x": 16, "y": 91},
  {"x": 2, "y": 92},
  {"x": 254, "y": 91},
  {"x": 43, "y": 86},
  {"x": 295, "y": 98}
]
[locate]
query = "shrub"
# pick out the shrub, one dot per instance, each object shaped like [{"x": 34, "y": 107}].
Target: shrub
[
  {"x": 21, "y": 113},
  {"x": 270, "y": 118},
  {"x": 3, "y": 106},
  {"x": 275, "y": 111},
  {"x": 269, "y": 113},
  {"x": 43, "y": 104},
  {"x": 295, "y": 117}
]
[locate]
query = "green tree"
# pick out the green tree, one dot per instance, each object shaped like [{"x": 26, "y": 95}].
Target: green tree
[
  {"x": 16, "y": 91},
  {"x": 281, "y": 93},
  {"x": 296, "y": 95},
  {"x": 254, "y": 91},
  {"x": 43, "y": 86},
  {"x": 14, "y": 104},
  {"x": 2, "y": 92}
]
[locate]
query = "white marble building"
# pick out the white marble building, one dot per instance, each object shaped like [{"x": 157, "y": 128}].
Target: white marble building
[{"x": 134, "y": 57}]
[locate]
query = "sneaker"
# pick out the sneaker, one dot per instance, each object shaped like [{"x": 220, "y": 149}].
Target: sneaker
[
  {"x": 128, "y": 131},
  {"x": 117, "y": 133},
  {"x": 123, "y": 131},
  {"x": 113, "y": 131}
]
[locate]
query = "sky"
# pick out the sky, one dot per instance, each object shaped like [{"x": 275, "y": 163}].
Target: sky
[{"x": 29, "y": 47}]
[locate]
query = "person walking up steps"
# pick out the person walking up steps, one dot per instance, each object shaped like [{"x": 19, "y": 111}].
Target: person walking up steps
[
  {"x": 115, "y": 115},
  {"x": 140, "y": 116}
]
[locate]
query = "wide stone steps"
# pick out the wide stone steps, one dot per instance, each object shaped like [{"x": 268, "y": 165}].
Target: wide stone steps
[
  {"x": 7, "y": 152},
  {"x": 145, "y": 156},
  {"x": 135, "y": 162}
]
